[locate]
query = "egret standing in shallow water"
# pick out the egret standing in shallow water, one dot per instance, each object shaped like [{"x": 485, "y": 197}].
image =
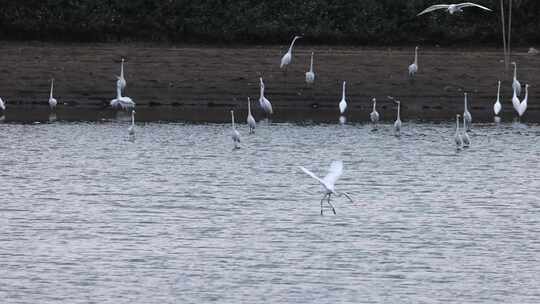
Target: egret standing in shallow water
[
  {"x": 328, "y": 182},
  {"x": 121, "y": 80},
  {"x": 131, "y": 129},
  {"x": 310, "y": 75},
  {"x": 343, "y": 102},
  {"x": 235, "y": 135},
  {"x": 263, "y": 102},
  {"x": 465, "y": 137},
  {"x": 413, "y": 68},
  {"x": 52, "y": 100},
  {"x": 515, "y": 83},
  {"x": 497, "y": 106},
  {"x": 467, "y": 118},
  {"x": 457, "y": 137},
  {"x": 250, "y": 120},
  {"x": 515, "y": 102},
  {"x": 397, "y": 123},
  {"x": 123, "y": 102},
  {"x": 452, "y": 8},
  {"x": 523, "y": 104},
  {"x": 374, "y": 115},
  {"x": 287, "y": 58}
]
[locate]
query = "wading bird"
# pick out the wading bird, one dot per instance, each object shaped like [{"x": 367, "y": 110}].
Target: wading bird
[
  {"x": 515, "y": 83},
  {"x": 287, "y": 58},
  {"x": 250, "y": 120},
  {"x": 457, "y": 137},
  {"x": 131, "y": 129},
  {"x": 328, "y": 182},
  {"x": 263, "y": 102},
  {"x": 465, "y": 137},
  {"x": 467, "y": 118},
  {"x": 374, "y": 115},
  {"x": 413, "y": 68},
  {"x": 121, "y": 80},
  {"x": 52, "y": 100},
  {"x": 123, "y": 102},
  {"x": 235, "y": 135},
  {"x": 310, "y": 75},
  {"x": 343, "y": 102},
  {"x": 2, "y": 105},
  {"x": 515, "y": 102},
  {"x": 523, "y": 104},
  {"x": 497, "y": 106},
  {"x": 397, "y": 123},
  {"x": 452, "y": 8}
]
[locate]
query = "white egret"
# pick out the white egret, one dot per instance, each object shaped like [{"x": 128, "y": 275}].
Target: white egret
[
  {"x": 515, "y": 101},
  {"x": 413, "y": 68},
  {"x": 287, "y": 58},
  {"x": 523, "y": 104},
  {"x": 235, "y": 135},
  {"x": 263, "y": 102},
  {"x": 121, "y": 80},
  {"x": 397, "y": 123},
  {"x": 515, "y": 83},
  {"x": 250, "y": 120},
  {"x": 310, "y": 75},
  {"x": 328, "y": 182},
  {"x": 497, "y": 106},
  {"x": 131, "y": 129},
  {"x": 52, "y": 100},
  {"x": 374, "y": 115},
  {"x": 343, "y": 102},
  {"x": 452, "y": 8},
  {"x": 457, "y": 137},
  {"x": 465, "y": 137},
  {"x": 123, "y": 102},
  {"x": 2, "y": 105},
  {"x": 467, "y": 118}
]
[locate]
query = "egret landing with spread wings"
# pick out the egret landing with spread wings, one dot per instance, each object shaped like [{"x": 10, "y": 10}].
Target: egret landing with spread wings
[
  {"x": 452, "y": 8},
  {"x": 328, "y": 182}
]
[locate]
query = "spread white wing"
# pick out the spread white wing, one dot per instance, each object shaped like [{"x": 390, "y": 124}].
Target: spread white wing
[
  {"x": 434, "y": 8},
  {"x": 468, "y": 4},
  {"x": 335, "y": 171},
  {"x": 313, "y": 175}
]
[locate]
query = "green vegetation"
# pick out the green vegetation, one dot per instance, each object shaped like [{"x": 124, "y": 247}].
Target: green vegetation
[{"x": 367, "y": 22}]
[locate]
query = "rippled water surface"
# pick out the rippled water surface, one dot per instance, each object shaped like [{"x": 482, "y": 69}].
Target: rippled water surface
[{"x": 176, "y": 216}]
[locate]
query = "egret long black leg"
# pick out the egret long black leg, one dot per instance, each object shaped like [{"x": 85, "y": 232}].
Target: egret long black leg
[
  {"x": 332, "y": 206},
  {"x": 322, "y": 200}
]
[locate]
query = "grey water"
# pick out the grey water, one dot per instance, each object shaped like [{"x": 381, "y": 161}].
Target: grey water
[{"x": 88, "y": 215}]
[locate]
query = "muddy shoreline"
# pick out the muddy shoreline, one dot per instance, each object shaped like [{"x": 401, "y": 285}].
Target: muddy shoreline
[{"x": 201, "y": 84}]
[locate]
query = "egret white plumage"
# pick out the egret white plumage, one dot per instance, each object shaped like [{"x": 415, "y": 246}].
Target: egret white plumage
[
  {"x": 457, "y": 137},
  {"x": 515, "y": 101},
  {"x": 465, "y": 137},
  {"x": 374, "y": 115},
  {"x": 287, "y": 58},
  {"x": 121, "y": 81},
  {"x": 413, "y": 68},
  {"x": 397, "y": 123},
  {"x": 263, "y": 102},
  {"x": 235, "y": 135},
  {"x": 123, "y": 102},
  {"x": 343, "y": 102},
  {"x": 523, "y": 104},
  {"x": 2, "y": 105},
  {"x": 310, "y": 75},
  {"x": 467, "y": 118},
  {"x": 52, "y": 100},
  {"x": 497, "y": 106},
  {"x": 452, "y": 8},
  {"x": 515, "y": 83},
  {"x": 328, "y": 182},
  {"x": 131, "y": 129},
  {"x": 250, "y": 120}
]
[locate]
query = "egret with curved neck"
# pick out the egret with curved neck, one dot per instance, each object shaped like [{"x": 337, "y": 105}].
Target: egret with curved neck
[
  {"x": 515, "y": 83},
  {"x": 465, "y": 137},
  {"x": 413, "y": 68},
  {"x": 131, "y": 129},
  {"x": 263, "y": 102},
  {"x": 343, "y": 102},
  {"x": 457, "y": 137},
  {"x": 52, "y": 100},
  {"x": 497, "y": 106},
  {"x": 310, "y": 75},
  {"x": 235, "y": 135},
  {"x": 523, "y": 104},
  {"x": 287, "y": 58},
  {"x": 397, "y": 123},
  {"x": 123, "y": 102},
  {"x": 374, "y": 115},
  {"x": 467, "y": 118},
  {"x": 250, "y": 119}
]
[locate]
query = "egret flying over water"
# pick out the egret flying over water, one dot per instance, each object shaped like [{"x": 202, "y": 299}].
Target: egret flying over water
[
  {"x": 515, "y": 83},
  {"x": 121, "y": 80},
  {"x": 310, "y": 75},
  {"x": 465, "y": 137},
  {"x": 250, "y": 120},
  {"x": 413, "y": 68},
  {"x": 131, "y": 129},
  {"x": 343, "y": 102},
  {"x": 235, "y": 135},
  {"x": 457, "y": 137},
  {"x": 287, "y": 58},
  {"x": 263, "y": 102},
  {"x": 123, "y": 102},
  {"x": 328, "y": 182},
  {"x": 497, "y": 106},
  {"x": 523, "y": 104},
  {"x": 452, "y": 8},
  {"x": 52, "y": 100},
  {"x": 374, "y": 115},
  {"x": 467, "y": 118}
]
